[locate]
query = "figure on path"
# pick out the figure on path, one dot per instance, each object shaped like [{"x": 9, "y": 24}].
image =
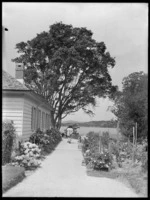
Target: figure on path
[{"x": 69, "y": 133}]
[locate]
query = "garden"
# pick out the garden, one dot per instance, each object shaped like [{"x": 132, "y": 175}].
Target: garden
[
  {"x": 16, "y": 161},
  {"x": 112, "y": 158}
]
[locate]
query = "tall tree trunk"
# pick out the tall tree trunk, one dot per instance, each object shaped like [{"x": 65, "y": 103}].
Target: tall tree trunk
[
  {"x": 59, "y": 123},
  {"x": 53, "y": 124}
]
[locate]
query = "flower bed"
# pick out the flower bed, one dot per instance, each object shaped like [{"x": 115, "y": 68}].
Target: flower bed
[
  {"x": 117, "y": 160},
  {"x": 92, "y": 157},
  {"x": 30, "y": 153}
]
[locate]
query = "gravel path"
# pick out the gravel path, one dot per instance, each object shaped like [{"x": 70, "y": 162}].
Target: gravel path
[{"x": 62, "y": 175}]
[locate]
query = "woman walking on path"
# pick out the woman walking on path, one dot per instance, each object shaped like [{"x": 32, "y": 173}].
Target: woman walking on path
[{"x": 69, "y": 133}]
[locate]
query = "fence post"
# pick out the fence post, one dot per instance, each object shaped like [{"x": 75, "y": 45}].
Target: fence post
[
  {"x": 133, "y": 150},
  {"x": 136, "y": 134},
  {"x": 100, "y": 144}
]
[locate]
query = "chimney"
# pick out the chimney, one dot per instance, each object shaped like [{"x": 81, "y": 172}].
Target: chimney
[{"x": 20, "y": 72}]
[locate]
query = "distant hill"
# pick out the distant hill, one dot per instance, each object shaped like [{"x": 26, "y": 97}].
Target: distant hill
[
  {"x": 71, "y": 122},
  {"x": 106, "y": 124}
]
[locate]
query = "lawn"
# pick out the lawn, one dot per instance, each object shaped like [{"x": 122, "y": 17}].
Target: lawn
[{"x": 11, "y": 176}]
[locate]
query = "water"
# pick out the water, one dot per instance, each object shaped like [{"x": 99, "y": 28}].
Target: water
[{"x": 84, "y": 130}]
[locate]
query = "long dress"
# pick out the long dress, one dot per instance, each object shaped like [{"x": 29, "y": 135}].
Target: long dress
[{"x": 69, "y": 131}]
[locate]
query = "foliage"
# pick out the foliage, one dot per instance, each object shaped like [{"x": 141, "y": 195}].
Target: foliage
[
  {"x": 124, "y": 152},
  {"x": 93, "y": 158},
  {"x": 114, "y": 150},
  {"x": 67, "y": 67},
  {"x": 29, "y": 156},
  {"x": 75, "y": 135},
  {"x": 131, "y": 104},
  {"x": 105, "y": 139},
  {"x": 102, "y": 161},
  {"x": 8, "y": 139},
  {"x": 46, "y": 140},
  {"x": 141, "y": 154},
  {"x": 39, "y": 138}
]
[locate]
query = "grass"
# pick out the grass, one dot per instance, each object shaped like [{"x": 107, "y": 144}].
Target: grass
[
  {"x": 130, "y": 175},
  {"x": 11, "y": 175}
]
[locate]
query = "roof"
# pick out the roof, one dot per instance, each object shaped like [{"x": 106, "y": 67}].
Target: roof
[{"x": 10, "y": 83}]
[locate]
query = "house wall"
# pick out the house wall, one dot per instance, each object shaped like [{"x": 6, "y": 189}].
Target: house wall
[
  {"x": 13, "y": 110},
  {"x": 27, "y": 116},
  {"x": 18, "y": 108}
]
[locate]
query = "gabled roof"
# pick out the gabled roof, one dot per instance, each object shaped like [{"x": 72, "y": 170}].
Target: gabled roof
[{"x": 10, "y": 83}]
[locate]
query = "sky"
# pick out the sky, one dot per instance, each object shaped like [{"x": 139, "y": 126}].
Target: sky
[{"x": 123, "y": 27}]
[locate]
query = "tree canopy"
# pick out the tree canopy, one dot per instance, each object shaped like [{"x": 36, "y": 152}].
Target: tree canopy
[
  {"x": 68, "y": 68},
  {"x": 131, "y": 104}
]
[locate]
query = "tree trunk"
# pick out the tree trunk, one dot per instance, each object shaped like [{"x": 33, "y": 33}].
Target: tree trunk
[
  {"x": 58, "y": 123},
  {"x": 53, "y": 123}
]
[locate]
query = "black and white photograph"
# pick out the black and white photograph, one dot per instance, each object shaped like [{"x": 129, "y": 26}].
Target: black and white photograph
[{"x": 74, "y": 99}]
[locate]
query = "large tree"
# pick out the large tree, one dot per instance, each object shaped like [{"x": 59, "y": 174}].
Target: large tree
[
  {"x": 68, "y": 67},
  {"x": 131, "y": 104}
]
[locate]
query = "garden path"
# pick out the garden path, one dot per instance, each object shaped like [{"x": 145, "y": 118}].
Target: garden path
[{"x": 62, "y": 175}]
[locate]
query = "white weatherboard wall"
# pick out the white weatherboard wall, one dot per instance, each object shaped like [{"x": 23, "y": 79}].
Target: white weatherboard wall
[
  {"x": 13, "y": 110},
  {"x": 27, "y": 111},
  {"x": 28, "y": 103}
]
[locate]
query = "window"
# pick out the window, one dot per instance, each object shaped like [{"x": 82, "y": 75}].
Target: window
[
  {"x": 33, "y": 119},
  {"x": 39, "y": 119},
  {"x": 43, "y": 120},
  {"x": 46, "y": 121}
]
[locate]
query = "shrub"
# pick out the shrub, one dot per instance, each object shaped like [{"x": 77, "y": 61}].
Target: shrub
[
  {"x": 102, "y": 161},
  {"x": 92, "y": 156},
  {"x": 141, "y": 154},
  {"x": 91, "y": 142},
  {"x": 46, "y": 140},
  {"x": 144, "y": 161},
  {"x": 75, "y": 135},
  {"x": 114, "y": 149},
  {"x": 85, "y": 144},
  {"x": 105, "y": 139},
  {"x": 29, "y": 156},
  {"x": 39, "y": 138},
  {"x": 8, "y": 138}
]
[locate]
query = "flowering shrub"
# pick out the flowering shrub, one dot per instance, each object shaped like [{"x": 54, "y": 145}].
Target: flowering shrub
[
  {"x": 90, "y": 141},
  {"x": 8, "y": 139},
  {"x": 121, "y": 150},
  {"x": 39, "y": 138},
  {"x": 92, "y": 157},
  {"x": 141, "y": 154},
  {"x": 102, "y": 161},
  {"x": 29, "y": 156},
  {"x": 46, "y": 140}
]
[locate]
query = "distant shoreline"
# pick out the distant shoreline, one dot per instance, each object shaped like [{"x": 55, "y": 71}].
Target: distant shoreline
[
  {"x": 65, "y": 125},
  {"x": 99, "y": 124}
]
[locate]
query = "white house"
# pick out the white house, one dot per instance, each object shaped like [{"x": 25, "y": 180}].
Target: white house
[{"x": 27, "y": 109}]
